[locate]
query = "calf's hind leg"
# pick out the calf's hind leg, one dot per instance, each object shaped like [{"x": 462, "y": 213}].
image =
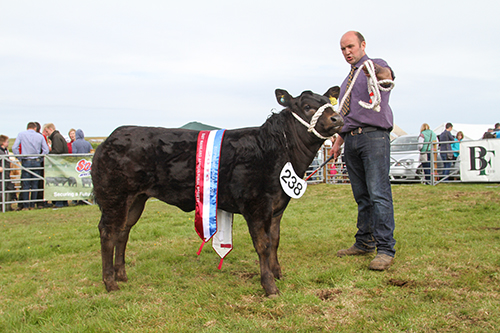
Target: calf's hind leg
[{"x": 134, "y": 213}]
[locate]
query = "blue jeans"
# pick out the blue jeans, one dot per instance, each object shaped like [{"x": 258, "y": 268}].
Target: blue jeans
[
  {"x": 30, "y": 184},
  {"x": 446, "y": 165},
  {"x": 367, "y": 158}
]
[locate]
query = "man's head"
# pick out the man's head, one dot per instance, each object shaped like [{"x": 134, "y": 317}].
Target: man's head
[
  {"x": 4, "y": 141},
  {"x": 352, "y": 45},
  {"x": 449, "y": 126},
  {"x": 31, "y": 125},
  {"x": 497, "y": 126},
  {"x": 48, "y": 129}
]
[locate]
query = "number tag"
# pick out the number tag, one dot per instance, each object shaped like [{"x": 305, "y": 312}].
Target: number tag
[{"x": 292, "y": 185}]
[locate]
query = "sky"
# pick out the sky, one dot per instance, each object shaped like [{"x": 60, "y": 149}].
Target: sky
[{"x": 96, "y": 65}]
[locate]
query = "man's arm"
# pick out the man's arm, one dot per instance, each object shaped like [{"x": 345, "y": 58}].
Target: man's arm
[
  {"x": 15, "y": 147},
  {"x": 335, "y": 151}
]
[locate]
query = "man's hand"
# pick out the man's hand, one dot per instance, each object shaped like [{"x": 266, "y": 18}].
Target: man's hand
[
  {"x": 335, "y": 151},
  {"x": 382, "y": 73}
]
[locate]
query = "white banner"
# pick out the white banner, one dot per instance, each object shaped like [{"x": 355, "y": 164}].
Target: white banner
[{"x": 480, "y": 160}]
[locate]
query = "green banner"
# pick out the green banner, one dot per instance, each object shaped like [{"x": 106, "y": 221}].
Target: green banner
[{"x": 67, "y": 177}]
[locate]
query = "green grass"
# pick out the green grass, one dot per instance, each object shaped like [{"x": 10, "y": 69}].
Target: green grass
[{"x": 446, "y": 275}]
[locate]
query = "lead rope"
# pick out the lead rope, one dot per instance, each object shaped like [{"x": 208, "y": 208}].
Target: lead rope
[
  {"x": 314, "y": 120},
  {"x": 374, "y": 87}
]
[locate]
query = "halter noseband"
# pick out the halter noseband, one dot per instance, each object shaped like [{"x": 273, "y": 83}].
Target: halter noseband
[{"x": 314, "y": 120}]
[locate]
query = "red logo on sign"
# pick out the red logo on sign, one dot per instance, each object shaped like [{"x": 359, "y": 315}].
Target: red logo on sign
[{"x": 83, "y": 166}]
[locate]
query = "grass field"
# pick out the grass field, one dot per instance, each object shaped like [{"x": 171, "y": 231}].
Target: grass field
[{"x": 446, "y": 276}]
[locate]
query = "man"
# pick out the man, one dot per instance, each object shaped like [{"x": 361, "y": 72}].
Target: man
[
  {"x": 445, "y": 148},
  {"x": 58, "y": 146},
  {"x": 367, "y": 155},
  {"x": 32, "y": 144}
]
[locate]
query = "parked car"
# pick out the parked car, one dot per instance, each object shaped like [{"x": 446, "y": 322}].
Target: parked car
[{"x": 405, "y": 159}]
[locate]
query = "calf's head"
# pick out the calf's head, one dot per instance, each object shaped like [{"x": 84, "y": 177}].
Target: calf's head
[{"x": 308, "y": 103}]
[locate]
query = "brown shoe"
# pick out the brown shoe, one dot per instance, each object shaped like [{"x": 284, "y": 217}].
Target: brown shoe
[
  {"x": 381, "y": 262},
  {"x": 352, "y": 251}
]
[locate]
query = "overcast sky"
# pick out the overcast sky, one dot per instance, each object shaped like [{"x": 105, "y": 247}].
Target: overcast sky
[{"x": 96, "y": 65}]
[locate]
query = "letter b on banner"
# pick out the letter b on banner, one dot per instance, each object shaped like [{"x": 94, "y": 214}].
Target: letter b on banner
[{"x": 479, "y": 156}]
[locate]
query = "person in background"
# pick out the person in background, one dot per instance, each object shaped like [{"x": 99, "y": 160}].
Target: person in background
[
  {"x": 72, "y": 138},
  {"x": 455, "y": 146},
  {"x": 58, "y": 146},
  {"x": 5, "y": 174},
  {"x": 366, "y": 140},
  {"x": 33, "y": 144},
  {"x": 445, "y": 148},
  {"x": 489, "y": 135},
  {"x": 58, "y": 143},
  {"x": 41, "y": 182},
  {"x": 425, "y": 139},
  {"x": 496, "y": 130},
  {"x": 80, "y": 145}
]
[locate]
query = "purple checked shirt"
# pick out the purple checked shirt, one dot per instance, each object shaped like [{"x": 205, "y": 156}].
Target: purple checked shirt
[{"x": 359, "y": 116}]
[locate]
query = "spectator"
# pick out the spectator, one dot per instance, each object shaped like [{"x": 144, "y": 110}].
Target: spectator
[
  {"x": 80, "y": 145},
  {"x": 496, "y": 130},
  {"x": 58, "y": 143},
  {"x": 71, "y": 134},
  {"x": 33, "y": 144},
  {"x": 5, "y": 174},
  {"x": 489, "y": 135},
  {"x": 425, "y": 146},
  {"x": 445, "y": 148},
  {"x": 41, "y": 182},
  {"x": 455, "y": 146},
  {"x": 58, "y": 146}
]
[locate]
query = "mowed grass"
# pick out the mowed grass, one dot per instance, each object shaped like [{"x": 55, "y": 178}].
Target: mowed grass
[{"x": 446, "y": 275}]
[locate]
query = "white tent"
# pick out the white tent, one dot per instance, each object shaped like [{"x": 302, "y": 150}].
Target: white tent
[{"x": 471, "y": 131}]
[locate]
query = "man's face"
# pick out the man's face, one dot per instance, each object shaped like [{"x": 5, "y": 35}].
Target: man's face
[
  {"x": 352, "y": 50},
  {"x": 5, "y": 144},
  {"x": 47, "y": 131}
]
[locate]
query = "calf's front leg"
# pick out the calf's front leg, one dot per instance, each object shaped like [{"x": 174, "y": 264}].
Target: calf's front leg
[{"x": 262, "y": 242}]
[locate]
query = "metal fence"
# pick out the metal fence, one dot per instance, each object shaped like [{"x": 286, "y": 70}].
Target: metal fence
[
  {"x": 11, "y": 190},
  {"x": 407, "y": 168}
]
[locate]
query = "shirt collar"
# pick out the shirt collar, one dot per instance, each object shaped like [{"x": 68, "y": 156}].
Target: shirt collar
[{"x": 361, "y": 61}]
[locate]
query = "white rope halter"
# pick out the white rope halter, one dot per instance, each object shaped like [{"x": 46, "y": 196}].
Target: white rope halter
[
  {"x": 314, "y": 120},
  {"x": 374, "y": 87}
]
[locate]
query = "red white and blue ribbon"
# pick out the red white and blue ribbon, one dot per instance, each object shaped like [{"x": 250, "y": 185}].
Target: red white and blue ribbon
[{"x": 206, "y": 212}]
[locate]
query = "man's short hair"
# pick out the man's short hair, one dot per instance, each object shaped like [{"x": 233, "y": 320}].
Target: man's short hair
[
  {"x": 360, "y": 37},
  {"x": 31, "y": 125},
  {"x": 49, "y": 125},
  {"x": 3, "y": 138},
  {"x": 497, "y": 125},
  {"x": 448, "y": 125}
]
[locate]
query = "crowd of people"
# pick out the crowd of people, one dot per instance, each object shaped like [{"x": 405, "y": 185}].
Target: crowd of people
[{"x": 30, "y": 144}]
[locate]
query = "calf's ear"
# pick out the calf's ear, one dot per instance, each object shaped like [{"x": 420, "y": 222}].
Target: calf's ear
[
  {"x": 333, "y": 92},
  {"x": 283, "y": 97}
]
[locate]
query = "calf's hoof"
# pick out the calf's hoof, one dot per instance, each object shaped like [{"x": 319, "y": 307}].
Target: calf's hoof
[
  {"x": 121, "y": 276},
  {"x": 111, "y": 286}
]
